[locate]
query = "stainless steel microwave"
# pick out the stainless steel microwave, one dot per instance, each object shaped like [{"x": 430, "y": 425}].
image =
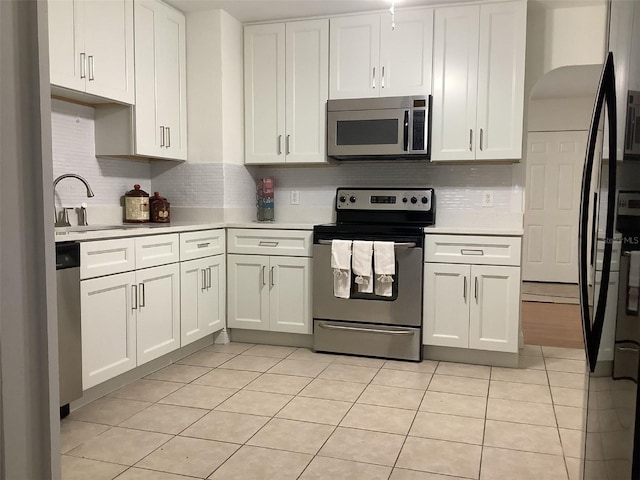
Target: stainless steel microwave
[
  {"x": 632, "y": 129},
  {"x": 379, "y": 128}
]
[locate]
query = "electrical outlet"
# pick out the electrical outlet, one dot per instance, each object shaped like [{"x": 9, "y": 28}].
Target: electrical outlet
[
  {"x": 487, "y": 198},
  {"x": 295, "y": 197}
]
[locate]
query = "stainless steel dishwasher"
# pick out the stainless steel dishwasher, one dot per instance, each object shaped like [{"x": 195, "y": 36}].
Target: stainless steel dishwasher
[{"x": 69, "y": 330}]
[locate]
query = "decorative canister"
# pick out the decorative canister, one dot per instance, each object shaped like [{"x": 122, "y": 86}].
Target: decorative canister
[
  {"x": 264, "y": 199},
  {"x": 136, "y": 205},
  {"x": 159, "y": 207}
]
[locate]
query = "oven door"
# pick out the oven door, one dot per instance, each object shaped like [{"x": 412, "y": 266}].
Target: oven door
[
  {"x": 368, "y": 133},
  {"x": 404, "y": 307}
]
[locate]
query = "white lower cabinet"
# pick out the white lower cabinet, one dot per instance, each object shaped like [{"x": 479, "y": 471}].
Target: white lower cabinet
[
  {"x": 202, "y": 294},
  {"x": 269, "y": 293},
  {"x": 128, "y": 319}
]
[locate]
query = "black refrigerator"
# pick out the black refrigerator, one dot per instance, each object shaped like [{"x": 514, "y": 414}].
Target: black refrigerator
[{"x": 610, "y": 215}]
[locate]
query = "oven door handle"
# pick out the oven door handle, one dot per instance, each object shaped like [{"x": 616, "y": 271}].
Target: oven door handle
[
  {"x": 396, "y": 245},
  {"x": 368, "y": 330}
]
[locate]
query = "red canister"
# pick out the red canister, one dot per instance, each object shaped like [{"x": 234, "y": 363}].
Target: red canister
[{"x": 159, "y": 207}]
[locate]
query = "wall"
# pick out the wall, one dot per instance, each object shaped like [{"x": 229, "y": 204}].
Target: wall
[{"x": 74, "y": 152}]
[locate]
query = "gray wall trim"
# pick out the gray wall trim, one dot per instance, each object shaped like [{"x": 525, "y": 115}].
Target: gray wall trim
[{"x": 28, "y": 367}]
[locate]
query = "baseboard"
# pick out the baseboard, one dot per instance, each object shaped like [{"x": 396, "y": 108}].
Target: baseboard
[
  {"x": 465, "y": 355},
  {"x": 271, "y": 338}
]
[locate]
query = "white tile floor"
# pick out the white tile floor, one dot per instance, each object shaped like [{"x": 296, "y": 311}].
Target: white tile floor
[{"x": 241, "y": 411}]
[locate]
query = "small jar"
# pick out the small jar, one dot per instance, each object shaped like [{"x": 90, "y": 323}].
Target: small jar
[
  {"x": 159, "y": 207},
  {"x": 136, "y": 205}
]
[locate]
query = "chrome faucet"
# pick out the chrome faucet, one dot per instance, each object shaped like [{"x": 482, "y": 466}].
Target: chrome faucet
[{"x": 65, "y": 218}]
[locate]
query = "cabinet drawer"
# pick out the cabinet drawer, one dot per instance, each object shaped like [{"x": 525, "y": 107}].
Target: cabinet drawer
[
  {"x": 157, "y": 250},
  {"x": 105, "y": 257},
  {"x": 474, "y": 250},
  {"x": 293, "y": 243},
  {"x": 201, "y": 244}
]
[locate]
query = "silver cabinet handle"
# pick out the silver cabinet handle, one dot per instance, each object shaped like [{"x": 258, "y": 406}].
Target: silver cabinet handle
[
  {"x": 204, "y": 245},
  {"x": 382, "y": 80},
  {"x": 628, "y": 349},
  {"x": 373, "y": 78},
  {"x": 204, "y": 280},
  {"x": 266, "y": 243},
  {"x": 464, "y": 293},
  {"x": 264, "y": 282},
  {"x": 481, "y": 135},
  {"x": 279, "y": 144},
  {"x": 368, "y": 330},
  {"x": 469, "y": 251},
  {"x": 287, "y": 145},
  {"x": 91, "y": 68},
  {"x": 162, "y": 136},
  {"x": 208, "y": 278},
  {"x": 475, "y": 279},
  {"x": 271, "y": 279},
  {"x": 134, "y": 297},
  {"x": 83, "y": 65},
  {"x": 168, "y": 137},
  {"x": 142, "y": 300},
  {"x": 471, "y": 139}
]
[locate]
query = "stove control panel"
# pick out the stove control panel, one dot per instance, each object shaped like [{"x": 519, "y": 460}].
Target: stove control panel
[{"x": 406, "y": 199}]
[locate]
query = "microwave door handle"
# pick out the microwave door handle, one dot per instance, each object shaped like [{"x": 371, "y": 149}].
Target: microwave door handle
[{"x": 406, "y": 131}]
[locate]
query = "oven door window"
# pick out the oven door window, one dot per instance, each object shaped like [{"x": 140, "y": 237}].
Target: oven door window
[{"x": 355, "y": 294}]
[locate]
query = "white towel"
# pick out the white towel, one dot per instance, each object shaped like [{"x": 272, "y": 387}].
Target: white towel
[
  {"x": 362, "y": 253},
  {"x": 384, "y": 266},
  {"x": 341, "y": 264},
  {"x": 633, "y": 293}
]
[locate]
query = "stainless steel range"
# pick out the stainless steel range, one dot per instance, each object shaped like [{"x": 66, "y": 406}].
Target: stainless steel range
[{"x": 373, "y": 324}]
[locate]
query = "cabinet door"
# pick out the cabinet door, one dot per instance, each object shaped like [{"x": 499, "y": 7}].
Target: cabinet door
[
  {"x": 211, "y": 306},
  {"x": 66, "y": 44},
  {"x": 494, "y": 320},
  {"x": 158, "y": 320},
  {"x": 171, "y": 80},
  {"x": 108, "y": 328},
  {"x": 455, "y": 79},
  {"x": 354, "y": 57},
  {"x": 406, "y": 53},
  {"x": 307, "y": 89},
  {"x": 446, "y": 304},
  {"x": 290, "y": 297},
  {"x": 264, "y": 93},
  {"x": 148, "y": 15},
  {"x": 503, "y": 29},
  {"x": 193, "y": 280},
  {"x": 248, "y": 292},
  {"x": 109, "y": 48}
]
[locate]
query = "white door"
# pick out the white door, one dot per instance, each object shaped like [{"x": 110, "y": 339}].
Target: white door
[
  {"x": 248, "y": 292},
  {"x": 148, "y": 20},
  {"x": 553, "y": 182},
  {"x": 109, "y": 48},
  {"x": 503, "y": 28},
  {"x": 67, "y": 57},
  {"x": 264, "y": 93},
  {"x": 108, "y": 327},
  {"x": 406, "y": 53},
  {"x": 446, "y": 304},
  {"x": 171, "y": 82},
  {"x": 495, "y": 308},
  {"x": 455, "y": 82},
  {"x": 354, "y": 56},
  {"x": 290, "y": 297},
  {"x": 158, "y": 318},
  {"x": 211, "y": 307},
  {"x": 307, "y": 89}
]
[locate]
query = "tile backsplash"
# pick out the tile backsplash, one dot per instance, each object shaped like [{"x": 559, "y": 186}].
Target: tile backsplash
[{"x": 459, "y": 188}]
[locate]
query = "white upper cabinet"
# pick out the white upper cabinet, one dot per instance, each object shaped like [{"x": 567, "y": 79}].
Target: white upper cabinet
[
  {"x": 161, "y": 109},
  {"x": 369, "y": 58},
  {"x": 91, "y": 48},
  {"x": 286, "y": 88},
  {"x": 478, "y": 82}
]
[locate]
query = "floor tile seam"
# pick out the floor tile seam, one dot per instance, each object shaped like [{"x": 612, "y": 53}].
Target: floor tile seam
[
  {"x": 410, "y": 371},
  {"x": 523, "y": 383},
  {"x": 160, "y": 471},
  {"x": 458, "y": 393},
  {"x": 525, "y": 451},
  {"x": 453, "y": 477},
  {"x": 520, "y": 423},
  {"x": 484, "y": 426},
  {"x": 165, "y": 433},
  {"x": 99, "y": 461},
  {"x": 566, "y": 466},
  {"x": 355, "y": 461},
  {"x": 186, "y": 406},
  {"x": 389, "y": 406},
  {"x": 490, "y": 397}
]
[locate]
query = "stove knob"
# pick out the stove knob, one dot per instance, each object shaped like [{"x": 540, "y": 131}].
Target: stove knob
[
  {"x": 343, "y": 199},
  {"x": 404, "y": 200},
  {"x": 425, "y": 199},
  {"x": 414, "y": 200},
  {"x": 352, "y": 199}
]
